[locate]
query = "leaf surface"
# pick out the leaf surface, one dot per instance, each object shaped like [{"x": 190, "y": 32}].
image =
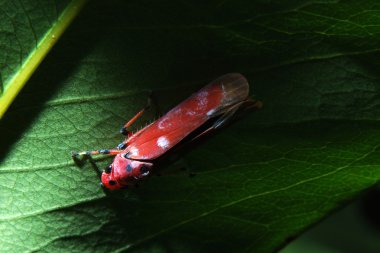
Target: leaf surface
[{"x": 259, "y": 183}]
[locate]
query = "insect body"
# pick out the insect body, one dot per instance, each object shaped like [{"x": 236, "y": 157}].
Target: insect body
[{"x": 134, "y": 158}]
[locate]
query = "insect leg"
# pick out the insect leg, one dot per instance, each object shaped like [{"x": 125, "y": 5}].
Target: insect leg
[
  {"x": 252, "y": 104},
  {"x": 124, "y": 130},
  {"x": 229, "y": 112},
  {"x": 154, "y": 104},
  {"x": 221, "y": 121},
  {"x": 96, "y": 152}
]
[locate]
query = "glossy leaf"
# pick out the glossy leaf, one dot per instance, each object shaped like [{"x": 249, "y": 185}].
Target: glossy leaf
[{"x": 260, "y": 182}]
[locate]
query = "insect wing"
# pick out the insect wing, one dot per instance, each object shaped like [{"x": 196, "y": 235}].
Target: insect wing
[
  {"x": 179, "y": 122},
  {"x": 174, "y": 126},
  {"x": 151, "y": 148}
]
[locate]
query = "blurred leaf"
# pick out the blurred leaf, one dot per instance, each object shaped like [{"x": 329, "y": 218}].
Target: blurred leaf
[
  {"x": 259, "y": 183},
  {"x": 28, "y": 31}
]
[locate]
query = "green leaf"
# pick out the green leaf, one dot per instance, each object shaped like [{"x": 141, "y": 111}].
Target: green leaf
[
  {"x": 28, "y": 32},
  {"x": 260, "y": 182}
]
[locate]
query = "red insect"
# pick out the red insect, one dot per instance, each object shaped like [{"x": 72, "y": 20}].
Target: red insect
[{"x": 216, "y": 103}]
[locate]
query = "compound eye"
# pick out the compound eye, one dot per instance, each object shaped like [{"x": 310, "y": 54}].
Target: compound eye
[
  {"x": 108, "y": 169},
  {"x": 112, "y": 182}
]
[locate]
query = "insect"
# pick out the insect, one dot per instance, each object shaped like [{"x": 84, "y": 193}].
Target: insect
[{"x": 135, "y": 157}]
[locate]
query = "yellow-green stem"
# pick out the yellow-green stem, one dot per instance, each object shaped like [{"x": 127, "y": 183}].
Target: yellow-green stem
[{"x": 18, "y": 80}]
